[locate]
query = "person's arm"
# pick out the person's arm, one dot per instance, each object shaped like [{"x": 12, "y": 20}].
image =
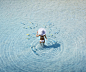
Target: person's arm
[
  {"x": 45, "y": 37},
  {"x": 37, "y": 34}
]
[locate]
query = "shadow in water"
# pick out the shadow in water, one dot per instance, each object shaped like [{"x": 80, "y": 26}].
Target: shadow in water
[{"x": 56, "y": 45}]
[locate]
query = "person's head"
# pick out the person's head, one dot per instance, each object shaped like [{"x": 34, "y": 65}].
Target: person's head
[{"x": 41, "y": 31}]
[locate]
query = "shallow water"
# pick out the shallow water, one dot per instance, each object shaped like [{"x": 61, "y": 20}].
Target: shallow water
[{"x": 65, "y": 47}]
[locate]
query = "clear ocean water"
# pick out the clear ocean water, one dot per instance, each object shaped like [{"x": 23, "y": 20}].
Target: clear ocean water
[{"x": 65, "y": 24}]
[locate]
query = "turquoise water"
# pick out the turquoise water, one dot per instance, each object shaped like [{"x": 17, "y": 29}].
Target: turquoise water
[{"x": 65, "y": 47}]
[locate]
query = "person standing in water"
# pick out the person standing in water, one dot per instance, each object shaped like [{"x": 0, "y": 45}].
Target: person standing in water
[{"x": 42, "y": 33}]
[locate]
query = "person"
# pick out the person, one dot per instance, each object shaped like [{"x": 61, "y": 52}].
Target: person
[{"x": 42, "y": 33}]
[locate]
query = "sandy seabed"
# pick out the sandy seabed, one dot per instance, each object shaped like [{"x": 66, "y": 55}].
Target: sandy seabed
[{"x": 65, "y": 24}]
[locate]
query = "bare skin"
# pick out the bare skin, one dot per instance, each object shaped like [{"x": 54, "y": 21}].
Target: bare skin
[{"x": 41, "y": 38}]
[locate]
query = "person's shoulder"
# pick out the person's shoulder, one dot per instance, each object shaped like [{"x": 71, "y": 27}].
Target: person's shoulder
[{"x": 44, "y": 35}]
